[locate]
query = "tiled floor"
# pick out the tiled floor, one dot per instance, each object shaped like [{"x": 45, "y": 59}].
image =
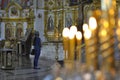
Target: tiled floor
[{"x": 24, "y": 69}]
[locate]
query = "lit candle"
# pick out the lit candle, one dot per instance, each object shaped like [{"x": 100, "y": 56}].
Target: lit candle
[
  {"x": 85, "y": 27},
  {"x": 93, "y": 45},
  {"x": 93, "y": 27},
  {"x": 78, "y": 37},
  {"x": 73, "y": 30},
  {"x": 87, "y": 34},
  {"x": 88, "y": 47},
  {"x": 92, "y": 23},
  {"x": 65, "y": 34}
]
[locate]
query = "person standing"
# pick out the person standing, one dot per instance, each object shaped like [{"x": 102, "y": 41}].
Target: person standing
[{"x": 37, "y": 47}]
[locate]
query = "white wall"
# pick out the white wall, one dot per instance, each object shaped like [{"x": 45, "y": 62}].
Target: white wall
[
  {"x": 3, "y": 31},
  {"x": 39, "y": 22}
]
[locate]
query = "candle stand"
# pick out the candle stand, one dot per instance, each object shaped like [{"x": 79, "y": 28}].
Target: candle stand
[{"x": 7, "y": 58}]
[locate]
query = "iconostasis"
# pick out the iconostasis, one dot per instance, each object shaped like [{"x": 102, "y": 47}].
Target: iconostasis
[
  {"x": 60, "y": 14},
  {"x": 15, "y": 19}
]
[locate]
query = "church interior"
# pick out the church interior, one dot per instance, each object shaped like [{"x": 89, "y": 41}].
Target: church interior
[{"x": 80, "y": 39}]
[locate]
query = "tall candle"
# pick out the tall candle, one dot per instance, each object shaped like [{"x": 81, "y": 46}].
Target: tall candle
[
  {"x": 73, "y": 30},
  {"x": 65, "y": 34},
  {"x": 106, "y": 33},
  {"x": 94, "y": 42},
  {"x": 106, "y": 48},
  {"x": 85, "y": 27},
  {"x": 78, "y": 46},
  {"x": 87, "y": 34}
]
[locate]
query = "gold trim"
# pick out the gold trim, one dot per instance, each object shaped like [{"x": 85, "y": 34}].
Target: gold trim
[{"x": 14, "y": 19}]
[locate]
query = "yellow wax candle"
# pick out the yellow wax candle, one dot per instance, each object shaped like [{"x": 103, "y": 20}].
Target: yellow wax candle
[
  {"x": 87, "y": 36},
  {"x": 93, "y": 50},
  {"x": 78, "y": 37},
  {"x": 73, "y": 30},
  {"x": 71, "y": 46},
  {"x": 65, "y": 34}
]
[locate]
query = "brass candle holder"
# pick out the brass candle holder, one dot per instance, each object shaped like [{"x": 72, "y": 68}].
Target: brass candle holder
[
  {"x": 91, "y": 44},
  {"x": 71, "y": 39},
  {"x": 106, "y": 34}
]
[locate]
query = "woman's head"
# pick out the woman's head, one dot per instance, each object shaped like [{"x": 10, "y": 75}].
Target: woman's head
[{"x": 36, "y": 33}]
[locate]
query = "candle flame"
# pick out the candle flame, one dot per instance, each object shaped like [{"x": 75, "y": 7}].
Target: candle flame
[
  {"x": 71, "y": 36},
  {"x": 92, "y": 23},
  {"x": 65, "y": 32},
  {"x": 79, "y": 35},
  {"x": 73, "y": 30},
  {"x": 85, "y": 27}
]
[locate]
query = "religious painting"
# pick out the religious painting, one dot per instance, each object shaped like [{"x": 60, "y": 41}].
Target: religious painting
[
  {"x": 8, "y": 31},
  {"x": 19, "y": 30},
  {"x": 50, "y": 23},
  {"x": 68, "y": 20},
  {"x": 59, "y": 22},
  {"x": 14, "y": 12}
]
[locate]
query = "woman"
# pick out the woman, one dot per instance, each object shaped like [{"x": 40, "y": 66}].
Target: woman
[{"x": 37, "y": 47}]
